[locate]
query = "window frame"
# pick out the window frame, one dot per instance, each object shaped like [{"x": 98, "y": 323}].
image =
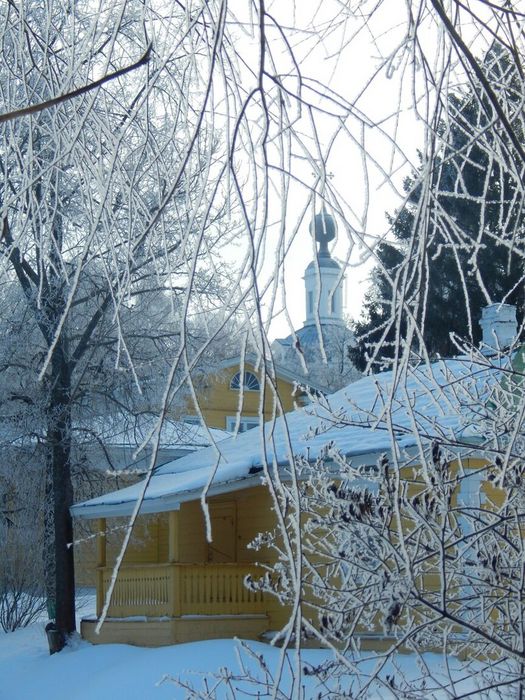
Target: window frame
[
  {"x": 245, "y": 387},
  {"x": 231, "y": 422}
]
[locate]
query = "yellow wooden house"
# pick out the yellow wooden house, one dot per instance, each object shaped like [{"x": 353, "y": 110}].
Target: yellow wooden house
[
  {"x": 184, "y": 573},
  {"x": 176, "y": 584}
]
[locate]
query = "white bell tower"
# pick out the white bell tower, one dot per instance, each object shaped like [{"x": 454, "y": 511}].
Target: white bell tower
[{"x": 323, "y": 279}]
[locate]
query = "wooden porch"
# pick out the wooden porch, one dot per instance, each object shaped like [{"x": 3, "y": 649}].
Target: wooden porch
[
  {"x": 158, "y": 604},
  {"x": 165, "y": 602}
]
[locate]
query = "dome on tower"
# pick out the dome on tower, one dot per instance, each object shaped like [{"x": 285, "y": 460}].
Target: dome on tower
[{"x": 323, "y": 226}]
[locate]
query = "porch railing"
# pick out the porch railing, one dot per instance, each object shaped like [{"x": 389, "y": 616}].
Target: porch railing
[
  {"x": 156, "y": 590},
  {"x": 218, "y": 589}
]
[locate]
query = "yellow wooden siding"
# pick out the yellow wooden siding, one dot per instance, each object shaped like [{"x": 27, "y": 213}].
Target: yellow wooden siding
[
  {"x": 206, "y": 587},
  {"x": 254, "y": 515},
  {"x": 217, "y": 401},
  {"x": 193, "y": 546},
  {"x": 148, "y": 545},
  {"x": 223, "y": 523},
  {"x": 162, "y": 537},
  {"x": 144, "y": 538},
  {"x": 149, "y": 542}
]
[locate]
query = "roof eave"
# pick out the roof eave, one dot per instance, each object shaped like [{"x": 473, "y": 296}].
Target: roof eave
[{"x": 161, "y": 504}]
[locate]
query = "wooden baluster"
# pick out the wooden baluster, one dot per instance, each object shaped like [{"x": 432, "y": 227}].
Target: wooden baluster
[
  {"x": 209, "y": 587},
  {"x": 165, "y": 590},
  {"x": 219, "y": 575},
  {"x": 184, "y": 588},
  {"x": 238, "y": 592},
  {"x": 200, "y": 587},
  {"x": 227, "y": 595}
]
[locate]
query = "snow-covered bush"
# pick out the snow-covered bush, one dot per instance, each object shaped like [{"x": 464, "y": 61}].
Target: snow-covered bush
[{"x": 22, "y": 589}]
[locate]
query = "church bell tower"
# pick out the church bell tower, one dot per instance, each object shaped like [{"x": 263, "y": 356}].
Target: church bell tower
[{"x": 323, "y": 279}]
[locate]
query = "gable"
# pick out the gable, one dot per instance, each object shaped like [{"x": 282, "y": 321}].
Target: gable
[{"x": 232, "y": 391}]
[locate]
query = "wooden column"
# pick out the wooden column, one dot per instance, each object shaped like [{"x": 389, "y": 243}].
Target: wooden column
[
  {"x": 101, "y": 542},
  {"x": 174, "y": 558},
  {"x": 173, "y": 536},
  {"x": 101, "y": 562}
]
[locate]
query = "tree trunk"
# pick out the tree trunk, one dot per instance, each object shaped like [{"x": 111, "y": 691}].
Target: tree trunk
[{"x": 59, "y": 475}]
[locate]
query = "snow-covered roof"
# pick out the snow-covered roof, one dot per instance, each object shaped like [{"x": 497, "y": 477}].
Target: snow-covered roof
[
  {"x": 133, "y": 431},
  {"x": 333, "y": 335},
  {"x": 438, "y": 401},
  {"x": 123, "y": 431}
]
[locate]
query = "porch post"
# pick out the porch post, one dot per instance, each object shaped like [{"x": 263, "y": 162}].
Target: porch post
[
  {"x": 174, "y": 558},
  {"x": 173, "y": 536},
  {"x": 101, "y": 542},
  {"x": 101, "y": 563}
]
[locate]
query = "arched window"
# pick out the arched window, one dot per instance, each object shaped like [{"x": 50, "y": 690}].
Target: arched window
[{"x": 250, "y": 382}]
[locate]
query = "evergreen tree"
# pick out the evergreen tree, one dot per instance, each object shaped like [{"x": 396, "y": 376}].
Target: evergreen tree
[{"x": 464, "y": 220}]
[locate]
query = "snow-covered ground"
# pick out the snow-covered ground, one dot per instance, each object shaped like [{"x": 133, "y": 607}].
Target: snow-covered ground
[{"x": 118, "y": 671}]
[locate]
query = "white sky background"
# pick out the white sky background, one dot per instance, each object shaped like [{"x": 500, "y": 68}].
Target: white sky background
[
  {"x": 368, "y": 91},
  {"x": 345, "y": 60}
]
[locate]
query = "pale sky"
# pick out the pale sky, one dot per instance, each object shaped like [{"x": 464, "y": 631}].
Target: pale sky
[{"x": 365, "y": 187}]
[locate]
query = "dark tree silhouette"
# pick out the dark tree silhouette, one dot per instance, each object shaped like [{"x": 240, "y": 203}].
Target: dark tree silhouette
[{"x": 464, "y": 224}]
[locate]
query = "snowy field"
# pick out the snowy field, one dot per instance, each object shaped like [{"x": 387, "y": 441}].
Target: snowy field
[
  {"x": 118, "y": 671},
  {"x": 112, "y": 672},
  {"x": 121, "y": 672}
]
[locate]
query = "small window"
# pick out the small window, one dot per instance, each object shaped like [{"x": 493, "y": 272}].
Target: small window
[
  {"x": 250, "y": 382},
  {"x": 332, "y": 304},
  {"x": 310, "y": 302},
  {"x": 244, "y": 424}
]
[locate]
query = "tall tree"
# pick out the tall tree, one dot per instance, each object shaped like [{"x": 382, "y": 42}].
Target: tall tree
[
  {"x": 455, "y": 244},
  {"x": 100, "y": 220}
]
